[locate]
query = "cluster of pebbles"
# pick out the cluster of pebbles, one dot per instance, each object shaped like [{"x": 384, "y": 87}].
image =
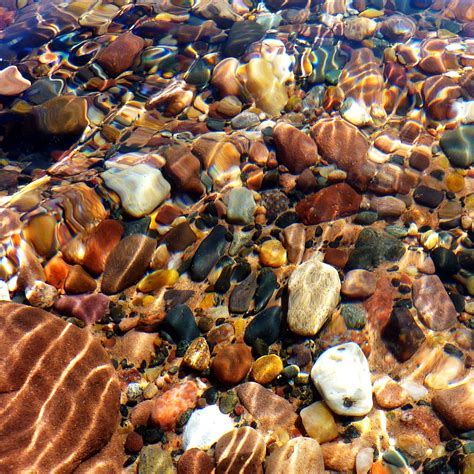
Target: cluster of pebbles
[{"x": 236, "y": 236}]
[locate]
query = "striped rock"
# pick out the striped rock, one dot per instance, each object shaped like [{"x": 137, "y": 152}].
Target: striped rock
[{"x": 59, "y": 395}]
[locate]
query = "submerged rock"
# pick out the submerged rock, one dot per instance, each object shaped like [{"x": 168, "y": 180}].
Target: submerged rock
[{"x": 12, "y": 82}]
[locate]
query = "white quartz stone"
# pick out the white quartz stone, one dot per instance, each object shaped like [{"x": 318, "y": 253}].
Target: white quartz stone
[
  {"x": 141, "y": 188},
  {"x": 342, "y": 376},
  {"x": 205, "y": 427}
]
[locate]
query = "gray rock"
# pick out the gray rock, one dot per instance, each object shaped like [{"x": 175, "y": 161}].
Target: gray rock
[
  {"x": 458, "y": 145},
  {"x": 244, "y": 120},
  {"x": 241, "y": 206}
]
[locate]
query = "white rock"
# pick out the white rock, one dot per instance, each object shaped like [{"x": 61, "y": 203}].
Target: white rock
[
  {"x": 414, "y": 389},
  {"x": 4, "y": 293},
  {"x": 141, "y": 188},
  {"x": 355, "y": 113},
  {"x": 364, "y": 460},
  {"x": 342, "y": 376},
  {"x": 205, "y": 427},
  {"x": 314, "y": 294}
]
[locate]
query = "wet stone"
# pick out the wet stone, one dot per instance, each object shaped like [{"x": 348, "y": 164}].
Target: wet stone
[
  {"x": 428, "y": 197},
  {"x": 155, "y": 460},
  {"x": 79, "y": 281},
  {"x": 359, "y": 284},
  {"x": 179, "y": 237},
  {"x": 267, "y": 284},
  {"x": 458, "y": 145},
  {"x": 241, "y": 35},
  {"x": 445, "y": 261},
  {"x": 87, "y": 308},
  {"x": 232, "y": 363},
  {"x": 241, "y": 206},
  {"x": 244, "y": 120},
  {"x": 354, "y": 316},
  {"x": 242, "y": 294},
  {"x": 265, "y": 325},
  {"x": 319, "y": 423},
  {"x": 180, "y": 323},
  {"x": 195, "y": 461},
  {"x": 266, "y": 368}
]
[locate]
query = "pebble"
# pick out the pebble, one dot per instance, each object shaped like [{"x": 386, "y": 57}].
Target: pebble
[
  {"x": 87, "y": 308},
  {"x": 389, "y": 394},
  {"x": 205, "y": 427},
  {"x": 359, "y": 284},
  {"x": 342, "y": 376},
  {"x": 387, "y": 206},
  {"x": 4, "y": 293},
  {"x": 314, "y": 289},
  {"x": 458, "y": 145},
  {"x": 319, "y": 423},
  {"x": 244, "y": 120},
  {"x": 241, "y": 35},
  {"x": 294, "y": 239},
  {"x": 79, "y": 281},
  {"x": 195, "y": 461},
  {"x": 155, "y": 460},
  {"x": 141, "y": 188},
  {"x": 157, "y": 280},
  {"x": 265, "y": 325},
  {"x": 427, "y": 196},
  {"x": 134, "y": 442},
  {"x": 402, "y": 335},
  {"x": 240, "y": 206},
  {"x": 40, "y": 294},
  {"x": 179, "y": 237},
  {"x": 180, "y": 323},
  {"x": 12, "y": 82},
  {"x": 198, "y": 355},
  {"x": 445, "y": 261},
  {"x": 232, "y": 363},
  {"x": 127, "y": 263},
  {"x": 359, "y": 28},
  {"x": 297, "y": 455},
  {"x": 266, "y": 368},
  {"x": 242, "y": 294},
  {"x": 354, "y": 316},
  {"x": 272, "y": 254}
]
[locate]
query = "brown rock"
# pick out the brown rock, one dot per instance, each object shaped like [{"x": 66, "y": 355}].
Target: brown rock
[
  {"x": 179, "y": 237},
  {"x": 240, "y": 451},
  {"x": 79, "y": 281},
  {"x": 134, "y": 442},
  {"x": 336, "y": 257},
  {"x": 195, "y": 461},
  {"x": 141, "y": 414},
  {"x": 387, "y": 206},
  {"x": 359, "y": 284},
  {"x": 60, "y": 395},
  {"x": 296, "y": 150},
  {"x": 439, "y": 94},
  {"x": 232, "y": 363},
  {"x": 294, "y": 239},
  {"x": 30, "y": 268},
  {"x": 329, "y": 204},
  {"x": 120, "y": 55},
  {"x": 56, "y": 271},
  {"x": 297, "y": 455},
  {"x": 270, "y": 410},
  {"x": 127, "y": 263},
  {"x": 456, "y": 405},
  {"x": 183, "y": 168},
  {"x": 389, "y": 394},
  {"x": 339, "y": 456}
]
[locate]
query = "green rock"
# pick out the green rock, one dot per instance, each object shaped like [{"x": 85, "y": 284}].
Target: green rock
[
  {"x": 366, "y": 218},
  {"x": 155, "y": 460},
  {"x": 228, "y": 402},
  {"x": 354, "y": 315},
  {"x": 397, "y": 231},
  {"x": 458, "y": 145}
]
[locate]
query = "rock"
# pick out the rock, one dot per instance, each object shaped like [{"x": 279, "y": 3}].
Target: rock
[
  {"x": 41, "y": 295},
  {"x": 272, "y": 254},
  {"x": 331, "y": 203},
  {"x": 359, "y": 284},
  {"x": 41, "y": 357},
  {"x": 340, "y": 456},
  {"x": 242, "y": 294},
  {"x": 387, "y": 206},
  {"x": 120, "y": 54},
  {"x": 359, "y": 28},
  {"x": 100, "y": 243},
  {"x": 41, "y": 233},
  {"x": 343, "y": 144},
  {"x": 428, "y": 197},
  {"x": 265, "y": 325},
  {"x": 434, "y": 306},
  {"x": 314, "y": 294},
  {"x": 319, "y": 423},
  {"x": 44, "y": 89},
  {"x": 445, "y": 261},
  {"x": 297, "y": 455},
  {"x": 232, "y": 363},
  {"x": 224, "y": 77},
  {"x": 179, "y": 237},
  {"x": 169, "y": 406},
  {"x": 87, "y": 308},
  {"x": 296, "y": 150},
  {"x": 458, "y": 145},
  {"x": 439, "y": 94},
  {"x": 241, "y": 450},
  {"x": 354, "y": 316},
  {"x": 180, "y": 323},
  {"x": 134, "y": 442},
  {"x": 355, "y": 113},
  {"x": 208, "y": 253},
  {"x": 373, "y": 248},
  {"x": 141, "y": 188},
  {"x": 12, "y": 82},
  {"x": 241, "y": 35},
  {"x": 342, "y": 376},
  {"x": 269, "y": 410},
  {"x": 195, "y": 461},
  {"x": 198, "y": 355},
  {"x": 157, "y": 280},
  {"x": 205, "y": 427},
  {"x": 4, "y": 292},
  {"x": 266, "y": 368},
  {"x": 294, "y": 239},
  {"x": 456, "y": 405},
  {"x": 241, "y": 206},
  {"x": 398, "y": 28},
  {"x": 245, "y": 119},
  {"x": 267, "y": 284},
  {"x": 155, "y": 460},
  {"x": 389, "y": 394},
  {"x": 127, "y": 262},
  {"x": 79, "y": 281}
]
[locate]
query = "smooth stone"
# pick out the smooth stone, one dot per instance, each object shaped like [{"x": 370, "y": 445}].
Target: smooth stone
[
  {"x": 402, "y": 336},
  {"x": 296, "y": 150},
  {"x": 245, "y": 119},
  {"x": 267, "y": 284},
  {"x": 266, "y": 368},
  {"x": 342, "y": 376},
  {"x": 127, "y": 263},
  {"x": 41, "y": 232},
  {"x": 373, "y": 248},
  {"x": 242, "y": 294},
  {"x": 195, "y": 461},
  {"x": 319, "y": 423},
  {"x": 232, "y": 363},
  {"x": 4, "y": 292},
  {"x": 272, "y": 254},
  {"x": 389, "y": 394},
  {"x": 359, "y": 28},
  {"x": 12, "y": 82},
  {"x": 241, "y": 35},
  {"x": 331, "y": 203},
  {"x": 180, "y": 323},
  {"x": 41, "y": 295},
  {"x": 354, "y": 316},
  {"x": 79, "y": 281},
  {"x": 134, "y": 442},
  {"x": 241, "y": 451},
  {"x": 136, "y": 226},
  {"x": 398, "y": 28},
  {"x": 428, "y": 197},
  {"x": 359, "y": 284},
  {"x": 205, "y": 427},
  {"x": 387, "y": 206},
  {"x": 157, "y": 280},
  {"x": 208, "y": 253},
  {"x": 445, "y": 261},
  {"x": 271, "y": 411},
  {"x": 297, "y": 455},
  {"x": 434, "y": 306},
  {"x": 155, "y": 460},
  {"x": 141, "y": 188},
  {"x": 43, "y": 90},
  {"x": 198, "y": 355},
  {"x": 294, "y": 239},
  {"x": 458, "y": 145},
  {"x": 180, "y": 237},
  {"x": 314, "y": 289},
  {"x": 265, "y": 325},
  {"x": 366, "y": 217},
  {"x": 87, "y": 308},
  {"x": 240, "y": 206}
]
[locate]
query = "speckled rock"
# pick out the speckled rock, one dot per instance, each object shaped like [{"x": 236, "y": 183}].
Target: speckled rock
[
  {"x": 198, "y": 356},
  {"x": 155, "y": 460},
  {"x": 266, "y": 368}
]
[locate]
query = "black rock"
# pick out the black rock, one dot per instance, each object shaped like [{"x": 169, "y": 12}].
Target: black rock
[
  {"x": 373, "y": 248},
  {"x": 275, "y": 202},
  {"x": 466, "y": 259},
  {"x": 458, "y": 144},
  {"x": 222, "y": 284},
  {"x": 208, "y": 253},
  {"x": 428, "y": 197},
  {"x": 136, "y": 226},
  {"x": 402, "y": 335},
  {"x": 267, "y": 284},
  {"x": 366, "y": 217},
  {"x": 241, "y": 271},
  {"x": 175, "y": 297},
  {"x": 180, "y": 324},
  {"x": 242, "y": 294},
  {"x": 286, "y": 219},
  {"x": 241, "y": 35},
  {"x": 265, "y": 326},
  {"x": 445, "y": 261}
]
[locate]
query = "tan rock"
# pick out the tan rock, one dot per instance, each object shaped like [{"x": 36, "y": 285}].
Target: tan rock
[
  {"x": 319, "y": 422},
  {"x": 389, "y": 394}
]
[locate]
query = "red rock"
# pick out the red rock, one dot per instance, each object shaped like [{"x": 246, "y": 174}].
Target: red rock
[
  {"x": 336, "y": 257},
  {"x": 329, "y": 204},
  {"x": 294, "y": 239},
  {"x": 379, "y": 305},
  {"x": 134, "y": 442},
  {"x": 343, "y": 144},
  {"x": 306, "y": 181},
  {"x": 183, "y": 168},
  {"x": 141, "y": 414},
  {"x": 439, "y": 94},
  {"x": 87, "y": 308},
  {"x": 296, "y": 150},
  {"x": 120, "y": 55},
  {"x": 232, "y": 363},
  {"x": 100, "y": 243},
  {"x": 56, "y": 271},
  {"x": 169, "y": 406},
  {"x": 79, "y": 281},
  {"x": 359, "y": 284},
  {"x": 195, "y": 461}
]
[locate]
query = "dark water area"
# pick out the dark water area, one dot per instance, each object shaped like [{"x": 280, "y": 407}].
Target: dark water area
[{"x": 237, "y": 236}]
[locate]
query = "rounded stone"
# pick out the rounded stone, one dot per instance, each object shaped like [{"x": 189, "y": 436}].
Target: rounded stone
[
  {"x": 232, "y": 363},
  {"x": 319, "y": 423},
  {"x": 272, "y": 254},
  {"x": 359, "y": 284},
  {"x": 79, "y": 281},
  {"x": 266, "y": 368},
  {"x": 198, "y": 356},
  {"x": 195, "y": 461}
]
